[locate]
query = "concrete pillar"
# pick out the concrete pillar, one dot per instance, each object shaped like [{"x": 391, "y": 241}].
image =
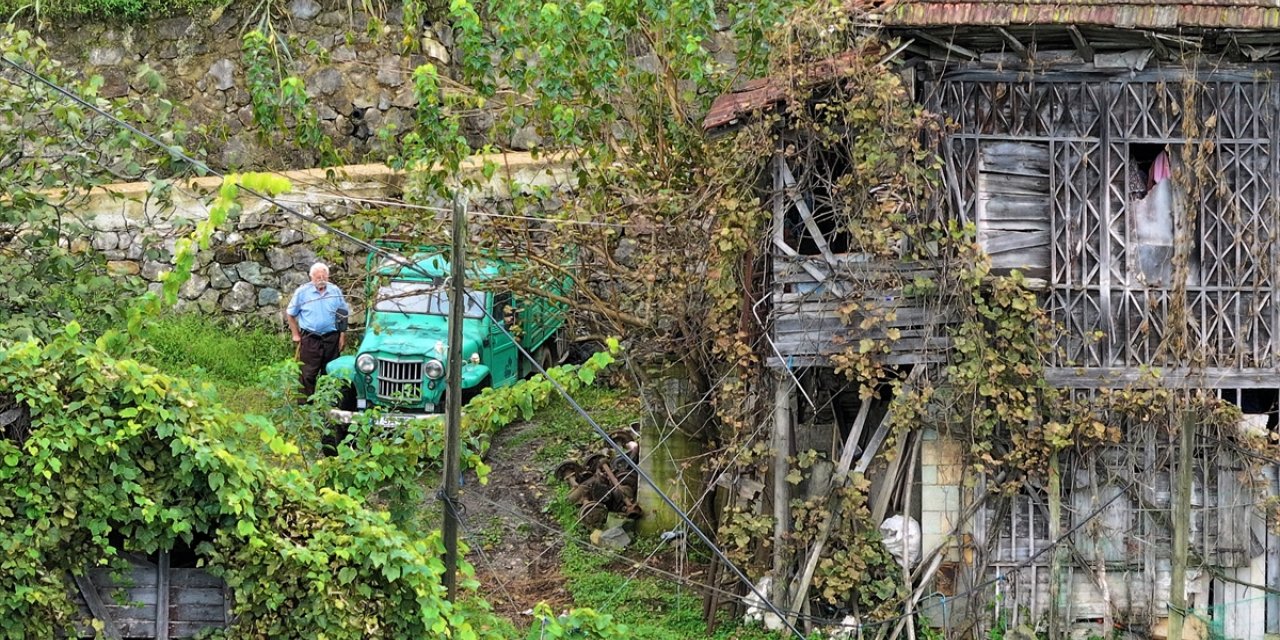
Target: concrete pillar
[{"x": 671, "y": 441}]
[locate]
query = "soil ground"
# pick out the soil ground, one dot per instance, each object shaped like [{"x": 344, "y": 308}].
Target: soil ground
[{"x": 515, "y": 544}]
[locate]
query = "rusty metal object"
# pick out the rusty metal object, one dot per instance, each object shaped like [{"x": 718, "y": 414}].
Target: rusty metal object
[{"x": 602, "y": 484}]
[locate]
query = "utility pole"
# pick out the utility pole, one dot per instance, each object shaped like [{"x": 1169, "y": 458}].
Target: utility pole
[{"x": 453, "y": 396}]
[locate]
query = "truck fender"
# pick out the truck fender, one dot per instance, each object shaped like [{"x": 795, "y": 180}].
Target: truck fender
[
  {"x": 474, "y": 374},
  {"x": 343, "y": 367}
]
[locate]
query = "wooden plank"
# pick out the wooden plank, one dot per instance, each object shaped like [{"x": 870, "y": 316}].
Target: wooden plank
[
  {"x": 1019, "y": 224},
  {"x": 183, "y": 629},
  {"x": 838, "y": 480},
  {"x": 210, "y": 613},
  {"x": 1003, "y": 241},
  {"x": 1171, "y": 378},
  {"x": 877, "y": 439},
  {"x": 181, "y": 577},
  {"x": 1032, "y": 262},
  {"x": 823, "y": 345},
  {"x": 196, "y": 595},
  {"x": 162, "y": 597},
  {"x": 97, "y": 608},
  {"x": 137, "y": 627},
  {"x": 141, "y": 577},
  {"x": 992, "y": 185},
  {"x": 818, "y": 274}
]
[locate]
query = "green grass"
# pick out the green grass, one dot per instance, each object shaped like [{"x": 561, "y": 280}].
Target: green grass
[
  {"x": 205, "y": 349},
  {"x": 559, "y": 429},
  {"x": 653, "y": 608},
  {"x": 122, "y": 10}
]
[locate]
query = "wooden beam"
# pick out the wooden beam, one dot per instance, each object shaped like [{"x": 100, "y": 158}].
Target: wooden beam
[
  {"x": 1014, "y": 43},
  {"x": 97, "y": 607},
  {"x": 1082, "y": 43},
  {"x": 162, "y": 597},
  {"x": 1162, "y": 51},
  {"x": 781, "y": 487},
  {"x": 841, "y": 476},
  {"x": 1056, "y": 622},
  {"x": 949, "y": 46},
  {"x": 1181, "y": 526},
  {"x": 1155, "y": 378},
  {"x": 806, "y": 215}
]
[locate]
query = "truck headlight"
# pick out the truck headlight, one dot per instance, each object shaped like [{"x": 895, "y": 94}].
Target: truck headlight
[
  {"x": 435, "y": 370},
  {"x": 365, "y": 363}
]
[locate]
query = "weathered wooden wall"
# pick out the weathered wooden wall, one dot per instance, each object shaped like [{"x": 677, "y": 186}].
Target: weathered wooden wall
[
  {"x": 151, "y": 600},
  {"x": 814, "y": 276}
]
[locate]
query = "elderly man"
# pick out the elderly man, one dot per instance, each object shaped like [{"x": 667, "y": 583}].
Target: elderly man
[{"x": 313, "y": 316}]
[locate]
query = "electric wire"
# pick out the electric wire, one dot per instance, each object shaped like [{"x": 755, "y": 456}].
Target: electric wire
[
  {"x": 459, "y": 515},
  {"x": 565, "y": 536},
  {"x": 179, "y": 154}
]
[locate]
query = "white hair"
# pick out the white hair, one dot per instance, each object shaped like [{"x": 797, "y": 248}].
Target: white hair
[{"x": 319, "y": 266}]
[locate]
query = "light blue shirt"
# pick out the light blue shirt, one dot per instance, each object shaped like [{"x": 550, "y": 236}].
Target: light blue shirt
[{"x": 314, "y": 310}]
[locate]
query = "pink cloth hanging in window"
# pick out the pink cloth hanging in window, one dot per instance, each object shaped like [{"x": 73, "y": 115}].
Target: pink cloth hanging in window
[{"x": 1160, "y": 169}]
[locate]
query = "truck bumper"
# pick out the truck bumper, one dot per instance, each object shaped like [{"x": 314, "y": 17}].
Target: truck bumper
[{"x": 387, "y": 419}]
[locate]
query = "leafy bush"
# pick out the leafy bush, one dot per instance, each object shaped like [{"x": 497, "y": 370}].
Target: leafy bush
[
  {"x": 127, "y": 10},
  {"x": 121, "y": 458}
]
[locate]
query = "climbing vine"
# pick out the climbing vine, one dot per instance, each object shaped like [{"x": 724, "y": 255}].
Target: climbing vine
[{"x": 279, "y": 102}]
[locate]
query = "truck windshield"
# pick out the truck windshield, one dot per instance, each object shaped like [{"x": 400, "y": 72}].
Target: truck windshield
[{"x": 400, "y": 296}]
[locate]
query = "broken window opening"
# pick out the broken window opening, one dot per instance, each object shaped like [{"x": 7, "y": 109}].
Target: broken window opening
[
  {"x": 1261, "y": 409},
  {"x": 818, "y": 189}
]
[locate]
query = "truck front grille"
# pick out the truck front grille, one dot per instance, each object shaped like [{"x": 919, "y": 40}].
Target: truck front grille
[{"x": 399, "y": 380}]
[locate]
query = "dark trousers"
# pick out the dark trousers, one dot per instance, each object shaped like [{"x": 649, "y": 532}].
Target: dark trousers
[{"x": 315, "y": 351}]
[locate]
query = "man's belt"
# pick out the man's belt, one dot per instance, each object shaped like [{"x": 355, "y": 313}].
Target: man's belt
[{"x": 316, "y": 334}]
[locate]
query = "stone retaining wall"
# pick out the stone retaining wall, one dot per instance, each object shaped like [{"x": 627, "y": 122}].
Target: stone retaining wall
[
  {"x": 357, "y": 74},
  {"x": 258, "y": 258}
]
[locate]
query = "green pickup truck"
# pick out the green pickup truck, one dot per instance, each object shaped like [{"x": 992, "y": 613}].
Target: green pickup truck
[{"x": 401, "y": 363}]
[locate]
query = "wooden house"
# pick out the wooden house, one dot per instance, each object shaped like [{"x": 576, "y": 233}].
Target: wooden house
[
  {"x": 150, "y": 599},
  {"x": 1124, "y": 156}
]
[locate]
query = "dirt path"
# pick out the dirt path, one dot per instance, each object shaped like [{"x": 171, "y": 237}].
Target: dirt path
[{"x": 514, "y": 547}]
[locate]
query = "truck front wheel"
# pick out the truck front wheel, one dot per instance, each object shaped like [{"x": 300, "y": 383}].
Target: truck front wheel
[
  {"x": 545, "y": 357},
  {"x": 347, "y": 401}
]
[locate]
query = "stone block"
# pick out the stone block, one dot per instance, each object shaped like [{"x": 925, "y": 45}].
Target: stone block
[
  {"x": 194, "y": 287},
  {"x": 153, "y": 270},
  {"x": 222, "y": 74},
  {"x": 122, "y": 268},
  {"x": 928, "y": 474},
  {"x": 105, "y": 56},
  {"x": 253, "y": 273},
  {"x": 268, "y": 297},
  {"x": 279, "y": 259},
  {"x": 218, "y": 278},
  {"x": 106, "y": 240},
  {"x": 240, "y": 298},
  {"x": 304, "y": 9}
]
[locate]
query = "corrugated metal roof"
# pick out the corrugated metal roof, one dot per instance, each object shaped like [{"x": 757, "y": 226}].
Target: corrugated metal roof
[{"x": 1145, "y": 14}]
